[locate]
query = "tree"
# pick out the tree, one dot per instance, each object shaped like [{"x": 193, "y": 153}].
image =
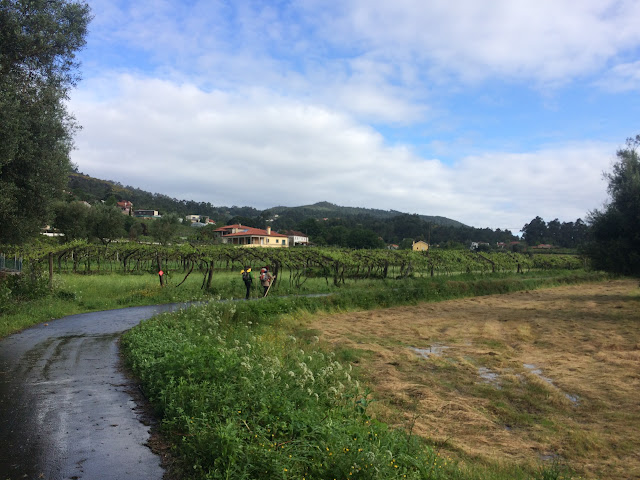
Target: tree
[
  {"x": 554, "y": 228},
  {"x": 106, "y": 223},
  {"x": 363, "y": 238},
  {"x": 71, "y": 219},
  {"x": 165, "y": 229},
  {"x": 615, "y": 230},
  {"x": 534, "y": 232},
  {"x": 38, "y": 41}
]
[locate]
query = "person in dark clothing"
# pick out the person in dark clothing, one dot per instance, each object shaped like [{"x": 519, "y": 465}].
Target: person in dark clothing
[
  {"x": 247, "y": 278},
  {"x": 265, "y": 279}
]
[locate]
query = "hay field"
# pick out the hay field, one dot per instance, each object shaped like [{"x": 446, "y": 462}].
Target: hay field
[{"x": 535, "y": 376}]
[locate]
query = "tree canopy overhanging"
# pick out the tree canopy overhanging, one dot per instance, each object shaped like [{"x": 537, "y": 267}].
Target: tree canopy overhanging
[{"x": 38, "y": 43}]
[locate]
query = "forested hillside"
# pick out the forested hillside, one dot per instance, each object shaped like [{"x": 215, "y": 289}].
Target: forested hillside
[{"x": 324, "y": 222}]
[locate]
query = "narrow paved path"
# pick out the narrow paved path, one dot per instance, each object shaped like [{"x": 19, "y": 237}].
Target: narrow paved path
[{"x": 64, "y": 408}]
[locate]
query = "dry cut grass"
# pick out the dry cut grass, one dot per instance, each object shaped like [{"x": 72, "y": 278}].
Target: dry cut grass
[{"x": 533, "y": 376}]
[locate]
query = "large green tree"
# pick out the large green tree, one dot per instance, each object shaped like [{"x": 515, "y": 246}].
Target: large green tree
[
  {"x": 615, "y": 230},
  {"x": 72, "y": 219},
  {"x": 38, "y": 43},
  {"x": 165, "y": 229},
  {"x": 535, "y": 232},
  {"x": 106, "y": 223}
]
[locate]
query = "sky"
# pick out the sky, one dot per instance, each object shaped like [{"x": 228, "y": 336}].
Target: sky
[{"x": 486, "y": 112}]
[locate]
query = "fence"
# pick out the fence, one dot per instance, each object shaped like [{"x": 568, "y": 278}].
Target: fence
[{"x": 14, "y": 264}]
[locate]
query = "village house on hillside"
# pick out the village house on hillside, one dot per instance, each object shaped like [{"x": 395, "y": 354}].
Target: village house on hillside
[
  {"x": 297, "y": 238},
  {"x": 126, "y": 206},
  {"x": 251, "y": 237},
  {"x": 146, "y": 214},
  {"x": 202, "y": 219},
  {"x": 420, "y": 246}
]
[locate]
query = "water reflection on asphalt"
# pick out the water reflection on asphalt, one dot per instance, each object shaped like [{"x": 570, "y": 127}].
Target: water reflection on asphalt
[{"x": 64, "y": 408}]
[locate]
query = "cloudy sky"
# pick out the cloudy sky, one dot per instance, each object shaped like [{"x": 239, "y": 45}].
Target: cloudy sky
[{"x": 488, "y": 112}]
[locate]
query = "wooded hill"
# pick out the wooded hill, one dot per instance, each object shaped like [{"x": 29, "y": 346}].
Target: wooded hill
[
  {"x": 324, "y": 222},
  {"x": 322, "y": 210},
  {"x": 92, "y": 189}
]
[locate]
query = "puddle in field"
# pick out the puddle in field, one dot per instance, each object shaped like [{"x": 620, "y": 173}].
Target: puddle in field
[
  {"x": 575, "y": 399},
  {"x": 548, "y": 457},
  {"x": 537, "y": 372},
  {"x": 489, "y": 377},
  {"x": 433, "y": 350}
]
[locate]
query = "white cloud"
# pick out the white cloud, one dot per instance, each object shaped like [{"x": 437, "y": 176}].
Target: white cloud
[
  {"x": 546, "y": 40},
  {"x": 379, "y": 61},
  {"x": 624, "y": 77},
  {"x": 263, "y": 150}
]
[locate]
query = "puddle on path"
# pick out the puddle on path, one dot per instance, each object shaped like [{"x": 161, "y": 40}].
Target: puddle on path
[{"x": 433, "y": 350}]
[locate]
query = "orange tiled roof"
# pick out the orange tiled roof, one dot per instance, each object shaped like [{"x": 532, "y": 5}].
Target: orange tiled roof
[{"x": 247, "y": 231}]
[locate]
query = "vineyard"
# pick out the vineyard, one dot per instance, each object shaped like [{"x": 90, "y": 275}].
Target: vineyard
[{"x": 297, "y": 264}]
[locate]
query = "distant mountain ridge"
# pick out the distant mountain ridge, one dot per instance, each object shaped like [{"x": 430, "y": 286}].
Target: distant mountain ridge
[
  {"x": 93, "y": 189},
  {"x": 331, "y": 210}
]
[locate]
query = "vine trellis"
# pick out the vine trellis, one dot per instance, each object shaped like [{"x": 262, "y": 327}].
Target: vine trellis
[{"x": 333, "y": 264}]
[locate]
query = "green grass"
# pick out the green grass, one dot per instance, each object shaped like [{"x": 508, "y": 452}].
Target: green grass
[{"x": 84, "y": 293}]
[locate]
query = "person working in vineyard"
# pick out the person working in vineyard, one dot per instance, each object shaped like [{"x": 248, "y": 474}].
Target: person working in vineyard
[
  {"x": 247, "y": 278},
  {"x": 265, "y": 279}
]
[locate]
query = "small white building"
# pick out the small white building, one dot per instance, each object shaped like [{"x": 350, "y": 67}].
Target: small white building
[{"x": 297, "y": 238}]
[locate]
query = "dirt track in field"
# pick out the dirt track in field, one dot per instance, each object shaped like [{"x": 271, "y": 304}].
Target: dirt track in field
[{"x": 534, "y": 376}]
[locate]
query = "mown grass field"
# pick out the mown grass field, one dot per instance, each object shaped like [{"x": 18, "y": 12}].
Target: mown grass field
[{"x": 524, "y": 378}]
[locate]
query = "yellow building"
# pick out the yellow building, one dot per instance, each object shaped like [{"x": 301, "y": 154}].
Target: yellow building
[
  {"x": 251, "y": 237},
  {"x": 420, "y": 246}
]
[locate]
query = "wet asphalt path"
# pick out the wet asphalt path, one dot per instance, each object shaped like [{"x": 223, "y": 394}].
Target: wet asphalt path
[{"x": 64, "y": 408}]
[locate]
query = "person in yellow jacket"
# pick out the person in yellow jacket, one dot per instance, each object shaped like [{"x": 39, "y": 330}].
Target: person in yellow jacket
[{"x": 247, "y": 278}]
